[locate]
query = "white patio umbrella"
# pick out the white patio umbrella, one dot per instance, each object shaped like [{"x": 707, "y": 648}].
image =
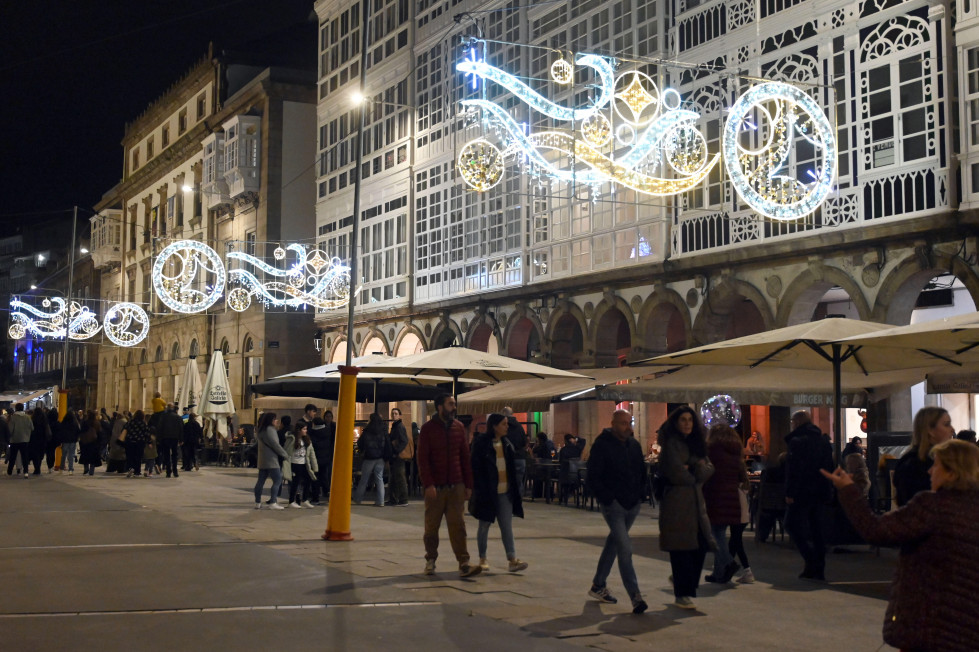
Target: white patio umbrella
[
  {"x": 189, "y": 392},
  {"x": 216, "y": 400},
  {"x": 465, "y": 364}
]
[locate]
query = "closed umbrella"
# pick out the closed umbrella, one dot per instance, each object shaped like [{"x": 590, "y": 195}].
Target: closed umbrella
[
  {"x": 216, "y": 400},
  {"x": 189, "y": 393}
]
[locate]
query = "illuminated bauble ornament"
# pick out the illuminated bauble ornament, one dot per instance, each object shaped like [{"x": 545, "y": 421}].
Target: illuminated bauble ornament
[
  {"x": 720, "y": 410},
  {"x": 126, "y": 324},
  {"x": 239, "y": 299},
  {"x": 625, "y": 135},
  {"x": 764, "y": 177},
  {"x": 279, "y": 253},
  {"x": 636, "y": 98},
  {"x": 686, "y": 149},
  {"x": 596, "y": 130},
  {"x": 481, "y": 164},
  {"x": 562, "y": 71},
  {"x": 188, "y": 276},
  {"x": 46, "y": 303},
  {"x": 16, "y": 331}
]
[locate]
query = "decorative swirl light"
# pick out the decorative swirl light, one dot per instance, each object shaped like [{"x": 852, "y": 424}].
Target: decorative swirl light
[
  {"x": 759, "y": 175},
  {"x": 313, "y": 279},
  {"x": 181, "y": 276},
  {"x": 74, "y": 320},
  {"x": 126, "y": 324}
]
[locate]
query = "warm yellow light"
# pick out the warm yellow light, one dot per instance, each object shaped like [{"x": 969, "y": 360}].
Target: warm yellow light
[{"x": 357, "y": 97}]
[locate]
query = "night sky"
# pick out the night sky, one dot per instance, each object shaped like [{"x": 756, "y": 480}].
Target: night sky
[{"x": 73, "y": 72}]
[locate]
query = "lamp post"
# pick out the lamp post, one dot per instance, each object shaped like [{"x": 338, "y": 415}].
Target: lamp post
[
  {"x": 62, "y": 391},
  {"x": 338, "y": 518}
]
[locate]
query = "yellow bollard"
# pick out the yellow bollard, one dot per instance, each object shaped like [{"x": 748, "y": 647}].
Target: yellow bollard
[
  {"x": 62, "y": 411},
  {"x": 338, "y": 516}
]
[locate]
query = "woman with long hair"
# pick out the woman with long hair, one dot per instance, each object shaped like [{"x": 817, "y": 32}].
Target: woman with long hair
[
  {"x": 135, "y": 436},
  {"x": 89, "y": 457},
  {"x": 70, "y": 430},
  {"x": 931, "y": 606},
  {"x": 932, "y": 425},
  {"x": 375, "y": 447},
  {"x": 496, "y": 495},
  {"x": 721, "y": 495},
  {"x": 684, "y": 529},
  {"x": 270, "y": 456}
]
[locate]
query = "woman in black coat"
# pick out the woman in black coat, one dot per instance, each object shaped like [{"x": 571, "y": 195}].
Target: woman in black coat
[
  {"x": 496, "y": 495},
  {"x": 40, "y": 436},
  {"x": 90, "y": 456}
]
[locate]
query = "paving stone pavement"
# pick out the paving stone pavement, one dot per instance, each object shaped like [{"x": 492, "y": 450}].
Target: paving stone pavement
[{"x": 106, "y": 563}]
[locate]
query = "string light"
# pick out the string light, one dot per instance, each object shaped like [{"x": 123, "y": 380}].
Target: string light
[
  {"x": 181, "y": 268},
  {"x": 75, "y": 320},
  {"x": 314, "y": 279}
]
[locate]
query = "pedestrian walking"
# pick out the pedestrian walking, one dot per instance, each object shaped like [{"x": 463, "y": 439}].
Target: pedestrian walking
[
  {"x": 21, "y": 429},
  {"x": 375, "y": 447},
  {"x": 135, "y": 436},
  {"x": 684, "y": 528},
  {"x": 169, "y": 432},
  {"x": 193, "y": 440},
  {"x": 401, "y": 452},
  {"x": 89, "y": 456},
  {"x": 617, "y": 479},
  {"x": 446, "y": 476},
  {"x": 722, "y": 498},
  {"x": 806, "y": 491},
  {"x": 496, "y": 495},
  {"x": 270, "y": 456},
  {"x": 70, "y": 429},
  {"x": 299, "y": 467}
]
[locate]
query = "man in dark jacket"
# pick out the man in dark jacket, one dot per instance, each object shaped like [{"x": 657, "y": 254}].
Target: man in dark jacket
[
  {"x": 806, "y": 491},
  {"x": 169, "y": 431},
  {"x": 518, "y": 438},
  {"x": 323, "y": 434},
  {"x": 399, "y": 442},
  {"x": 617, "y": 478},
  {"x": 447, "y": 477}
]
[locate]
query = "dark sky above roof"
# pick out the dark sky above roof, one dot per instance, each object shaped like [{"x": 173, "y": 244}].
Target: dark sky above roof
[{"x": 72, "y": 73}]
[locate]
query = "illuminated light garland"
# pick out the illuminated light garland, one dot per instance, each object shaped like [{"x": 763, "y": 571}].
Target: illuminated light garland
[
  {"x": 602, "y": 65},
  {"x": 637, "y": 98},
  {"x": 74, "y": 320},
  {"x": 180, "y": 267},
  {"x": 314, "y": 279},
  {"x": 755, "y": 174},
  {"x": 126, "y": 324}
]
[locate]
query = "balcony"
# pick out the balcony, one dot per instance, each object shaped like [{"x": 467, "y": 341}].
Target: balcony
[
  {"x": 107, "y": 239},
  {"x": 214, "y": 189},
  {"x": 243, "y": 135}
]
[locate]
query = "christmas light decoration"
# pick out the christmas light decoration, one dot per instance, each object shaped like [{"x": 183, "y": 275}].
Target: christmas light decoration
[
  {"x": 762, "y": 176},
  {"x": 665, "y": 153},
  {"x": 55, "y": 319},
  {"x": 188, "y": 276},
  {"x": 126, "y": 324},
  {"x": 314, "y": 279}
]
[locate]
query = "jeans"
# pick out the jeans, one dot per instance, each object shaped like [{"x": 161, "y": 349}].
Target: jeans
[
  {"x": 722, "y": 557},
  {"x": 449, "y": 502},
  {"x": 504, "y": 515},
  {"x": 168, "y": 451},
  {"x": 398, "y": 483},
  {"x": 68, "y": 455},
  {"x": 375, "y": 468},
  {"x": 803, "y": 525},
  {"x": 618, "y": 544},
  {"x": 263, "y": 474}
]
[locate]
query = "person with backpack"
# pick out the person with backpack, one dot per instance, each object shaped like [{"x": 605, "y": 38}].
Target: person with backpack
[{"x": 376, "y": 448}]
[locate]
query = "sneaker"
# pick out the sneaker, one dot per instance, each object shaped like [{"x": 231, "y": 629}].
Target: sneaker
[
  {"x": 258, "y": 505},
  {"x": 275, "y": 506},
  {"x": 429, "y": 566},
  {"x": 601, "y": 594},
  {"x": 129, "y": 474},
  {"x": 295, "y": 505},
  {"x": 638, "y": 604},
  {"x": 469, "y": 570},
  {"x": 747, "y": 577},
  {"x": 404, "y": 504},
  {"x": 307, "y": 504},
  {"x": 175, "y": 474},
  {"x": 71, "y": 473},
  {"x": 483, "y": 564},
  {"x": 684, "y": 602},
  {"x": 516, "y": 565}
]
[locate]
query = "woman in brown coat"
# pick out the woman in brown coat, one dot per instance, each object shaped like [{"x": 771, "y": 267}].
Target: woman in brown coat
[
  {"x": 722, "y": 497},
  {"x": 684, "y": 529},
  {"x": 932, "y": 599}
]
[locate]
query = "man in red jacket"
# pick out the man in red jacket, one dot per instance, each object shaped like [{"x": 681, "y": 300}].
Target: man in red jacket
[{"x": 446, "y": 475}]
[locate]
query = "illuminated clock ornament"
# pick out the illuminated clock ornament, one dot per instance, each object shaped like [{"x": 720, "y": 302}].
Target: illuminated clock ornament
[
  {"x": 126, "y": 324},
  {"x": 188, "y": 276},
  {"x": 762, "y": 176}
]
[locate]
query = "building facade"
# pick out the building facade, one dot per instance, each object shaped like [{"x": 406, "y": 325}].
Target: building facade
[
  {"x": 223, "y": 158},
  {"x": 579, "y": 276}
]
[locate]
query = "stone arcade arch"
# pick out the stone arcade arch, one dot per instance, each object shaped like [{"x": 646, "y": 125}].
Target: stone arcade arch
[
  {"x": 446, "y": 334},
  {"x": 567, "y": 337},
  {"x": 409, "y": 342},
  {"x": 800, "y": 300},
  {"x": 900, "y": 289},
  {"x": 731, "y": 309},
  {"x": 374, "y": 344},
  {"x": 339, "y": 352},
  {"x": 663, "y": 324},
  {"x": 523, "y": 335},
  {"x": 611, "y": 334}
]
